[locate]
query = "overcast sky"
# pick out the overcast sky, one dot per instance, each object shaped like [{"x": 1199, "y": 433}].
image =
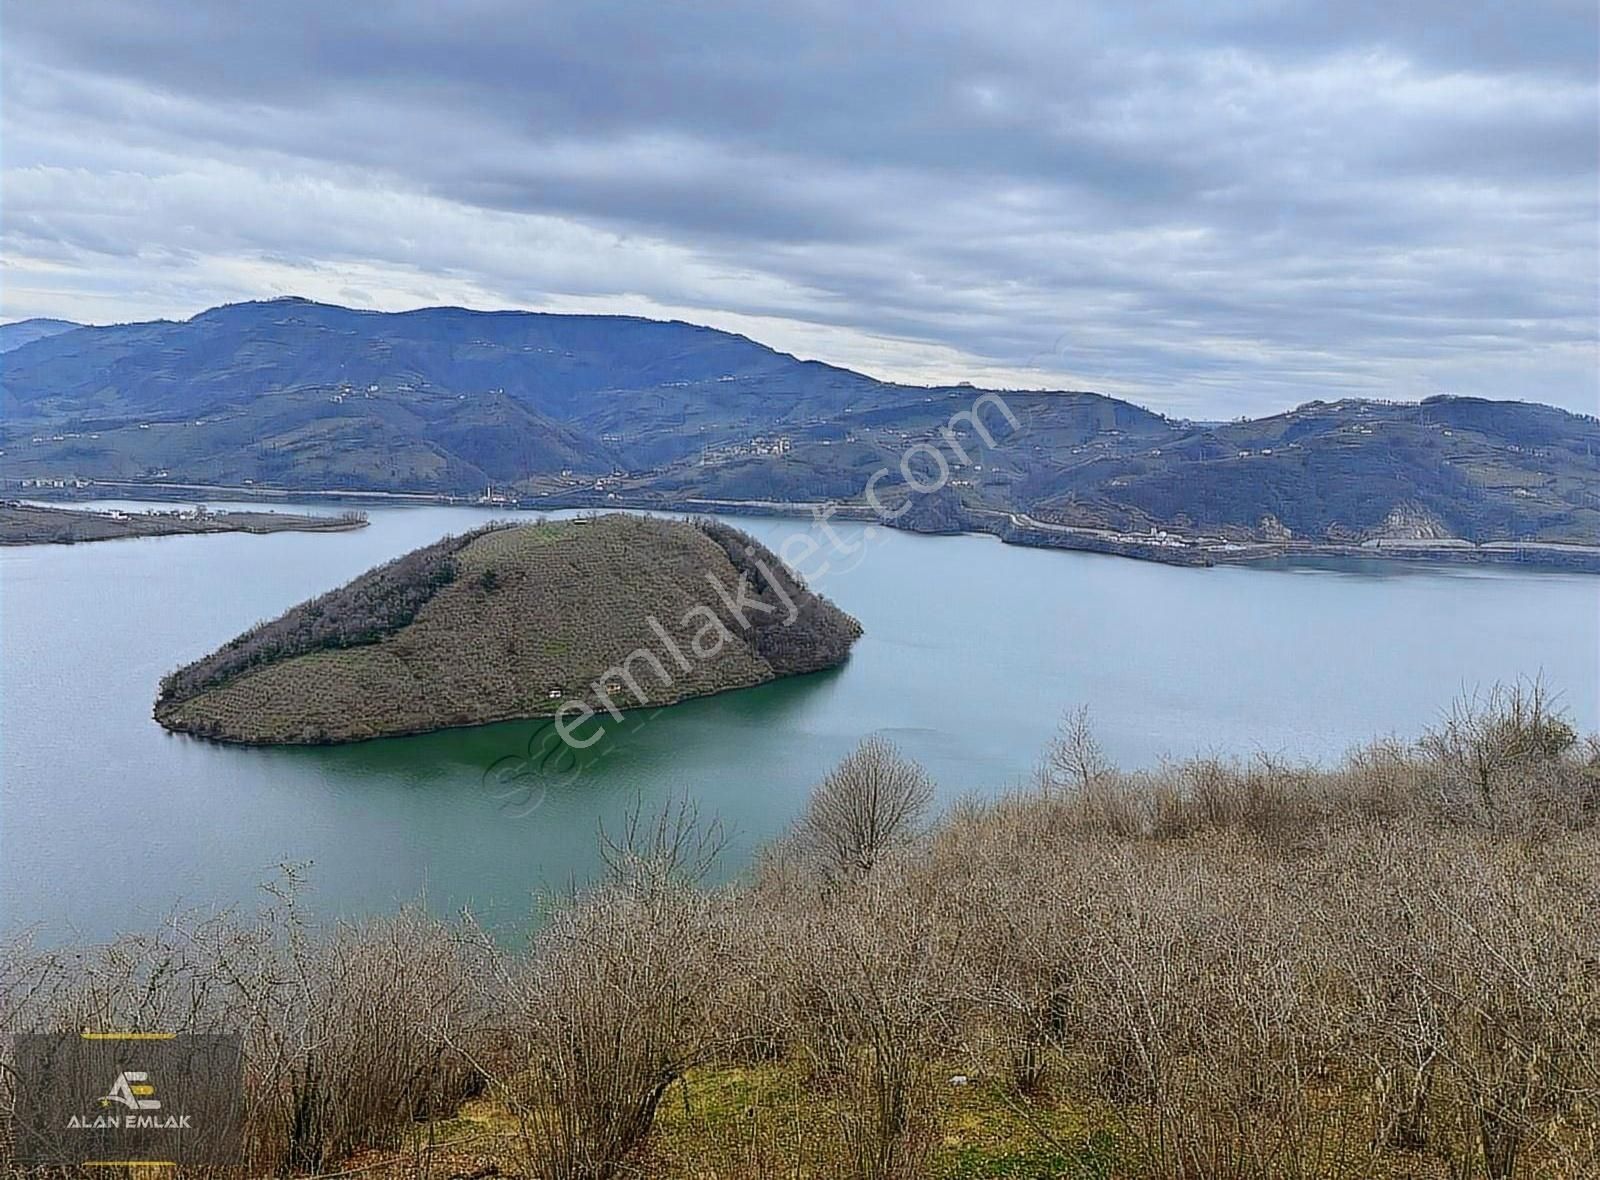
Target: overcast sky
[{"x": 1215, "y": 209}]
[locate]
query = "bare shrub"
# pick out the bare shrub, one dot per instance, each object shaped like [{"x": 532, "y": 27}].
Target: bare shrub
[
  {"x": 622, "y": 993},
  {"x": 1380, "y": 781},
  {"x": 382, "y": 1006},
  {"x": 1013, "y": 864},
  {"x": 347, "y": 1030},
  {"x": 1473, "y": 979},
  {"x": 1489, "y": 745},
  {"x": 1076, "y": 772},
  {"x": 876, "y": 972}
]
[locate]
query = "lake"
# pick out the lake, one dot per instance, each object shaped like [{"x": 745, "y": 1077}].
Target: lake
[{"x": 972, "y": 651}]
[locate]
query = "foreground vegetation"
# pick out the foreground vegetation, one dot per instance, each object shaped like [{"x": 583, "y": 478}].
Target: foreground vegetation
[
  {"x": 510, "y": 622},
  {"x": 1390, "y": 968}
]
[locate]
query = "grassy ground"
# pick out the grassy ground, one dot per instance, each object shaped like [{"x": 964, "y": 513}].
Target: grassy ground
[
  {"x": 760, "y": 1122},
  {"x": 745, "y": 1123}
]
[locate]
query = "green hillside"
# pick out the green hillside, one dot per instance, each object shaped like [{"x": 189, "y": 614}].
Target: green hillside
[{"x": 514, "y": 622}]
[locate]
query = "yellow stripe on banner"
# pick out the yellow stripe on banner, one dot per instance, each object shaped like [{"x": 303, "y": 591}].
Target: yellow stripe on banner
[
  {"x": 129, "y": 1164},
  {"x": 127, "y": 1036}
]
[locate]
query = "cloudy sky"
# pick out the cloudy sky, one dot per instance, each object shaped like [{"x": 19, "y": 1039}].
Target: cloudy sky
[{"x": 1214, "y": 208}]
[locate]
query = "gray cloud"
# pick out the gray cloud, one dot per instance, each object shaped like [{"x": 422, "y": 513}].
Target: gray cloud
[{"x": 1216, "y": 212}]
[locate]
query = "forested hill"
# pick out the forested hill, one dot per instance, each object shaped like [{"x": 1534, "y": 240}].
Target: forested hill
[
  {"x": 514, "y": 622},
  {"x": 20, "y": 332},
  {"x": 554, "y": 364},
  {"x": 612, "y": 409},
  {"x": 1447, "y": 467}
]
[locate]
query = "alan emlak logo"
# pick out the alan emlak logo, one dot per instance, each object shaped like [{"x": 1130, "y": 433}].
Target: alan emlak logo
[
  {"x": 132, "y": 1090},
  {"x": 117, "y": 1099}
]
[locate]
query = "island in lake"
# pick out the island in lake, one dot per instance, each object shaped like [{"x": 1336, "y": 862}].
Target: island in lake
[
  {"x": 38, "y": 524},
  {"x": 568, "y": 619}
]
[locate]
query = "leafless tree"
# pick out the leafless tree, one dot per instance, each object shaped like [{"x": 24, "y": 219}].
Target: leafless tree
[
  {"x": 1074, "y": 759},
  {"x": 868, "y": 804}
]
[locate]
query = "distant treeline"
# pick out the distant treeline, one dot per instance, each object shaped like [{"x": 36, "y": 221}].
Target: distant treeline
[{"x": 819, "y": 636}]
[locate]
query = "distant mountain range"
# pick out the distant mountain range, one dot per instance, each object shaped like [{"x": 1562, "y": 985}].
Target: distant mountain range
[
  {"x": 612, "y": 409},
  {"x": 15, "y": 335}
]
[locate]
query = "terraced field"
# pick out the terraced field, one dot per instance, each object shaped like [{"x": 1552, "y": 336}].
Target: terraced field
[{"x": 515, "y": 622}]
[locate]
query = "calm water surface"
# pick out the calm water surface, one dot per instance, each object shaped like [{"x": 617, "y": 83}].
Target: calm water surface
[{"x": 972, "y": 651}]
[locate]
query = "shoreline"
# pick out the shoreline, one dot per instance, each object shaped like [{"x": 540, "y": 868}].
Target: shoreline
[
  {"x": 1011, "y": 528},
  {"x": 637, "y": 713},
  {"x": 25, "y": 523}
]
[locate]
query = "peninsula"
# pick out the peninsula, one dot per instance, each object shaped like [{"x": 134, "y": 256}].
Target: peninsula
[
  {"x": 38, "y": 524},
  {"x": 571, "y": 619}
]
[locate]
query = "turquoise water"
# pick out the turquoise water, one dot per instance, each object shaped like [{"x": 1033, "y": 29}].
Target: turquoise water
[{"x": 972, "y": 651}]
